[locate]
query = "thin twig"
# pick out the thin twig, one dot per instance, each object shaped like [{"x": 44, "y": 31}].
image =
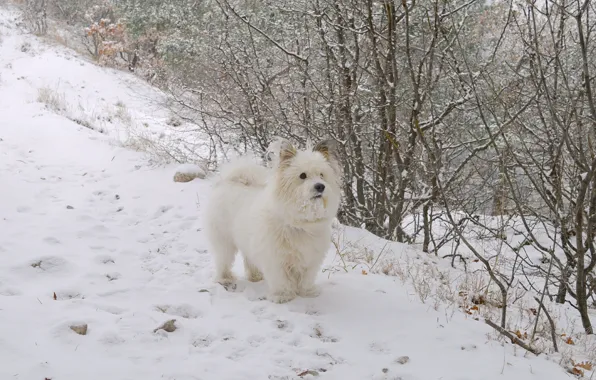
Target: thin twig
[
  {"x": 246, "y": 21},
  {"x": 553, "y": 334},
  {"x": 514, "y": 339}
]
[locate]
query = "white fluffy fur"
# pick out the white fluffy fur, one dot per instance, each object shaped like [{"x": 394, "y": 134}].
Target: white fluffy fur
[{"x": 273, "y": 217}]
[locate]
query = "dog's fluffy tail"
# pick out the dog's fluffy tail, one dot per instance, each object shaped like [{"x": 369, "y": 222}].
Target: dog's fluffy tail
[{"x": 244, "y": 171}]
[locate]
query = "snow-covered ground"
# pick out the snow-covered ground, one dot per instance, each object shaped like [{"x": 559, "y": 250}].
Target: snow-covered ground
[{"x": 93, "y": 233}]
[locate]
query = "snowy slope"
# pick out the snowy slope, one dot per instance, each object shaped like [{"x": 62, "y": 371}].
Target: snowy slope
[{"x": 91, "y": 233}]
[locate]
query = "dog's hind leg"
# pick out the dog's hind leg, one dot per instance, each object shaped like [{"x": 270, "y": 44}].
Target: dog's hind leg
[
  {"x": 224, "y": 253},
  {"x": 252, "y": 272}
]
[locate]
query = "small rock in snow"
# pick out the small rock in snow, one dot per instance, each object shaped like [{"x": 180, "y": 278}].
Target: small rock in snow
[
  {"x": 188, "y": 172},
  {"x": 69, "y": 207},
  {"x": 311, "y": 372},
  {"x": 79, "y": 329},
  {"x": 402, "y": 359},
  {"x": 169, "y": 326}
]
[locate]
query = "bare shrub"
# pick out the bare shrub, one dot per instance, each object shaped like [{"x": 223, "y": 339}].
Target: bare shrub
[
  {"x": 85, "y": 122},
  {"x": 54, "y": 100},
  {"x": 123, "y": 114},
  {"x": 35, "y": 14}
]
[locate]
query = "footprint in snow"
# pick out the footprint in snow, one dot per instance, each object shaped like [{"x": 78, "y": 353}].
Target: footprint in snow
[
  {"x": 379, "y": 347},
  {"x": 111, "y": 339},
  {"x": 99, "y": 194},
  {"x": 317, "y": 333},
  {"x": 113, "y": 276},
  {"x": 51, "y": 240},
  {"x": 49, "y": 264},
  {"x": 162, "y": 210},
  {"x": 115, "y": 310},
  {"x": 183, "y": 310},
  {"x": 284, "y": 325},
  {"x": 255, "y": 340},
  {"x": 104, "y": 259},
  {"x": 203, "y": 341},
  {"x": 310, "y": 311},
  {"x": 237, "y": 353},
  {"x": 227, "y": 336},
  {"x": 259, "y": 311},
  {"x": 65, "y": 295},
  {"x": 468, "y": 347}
]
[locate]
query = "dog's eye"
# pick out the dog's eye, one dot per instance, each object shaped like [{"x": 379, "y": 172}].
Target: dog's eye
[
  {"x": 303, "y": 176},
  {"x": 321, "y": 175}
]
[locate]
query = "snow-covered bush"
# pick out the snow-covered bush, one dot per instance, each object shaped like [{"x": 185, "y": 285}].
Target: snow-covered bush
[
  {"x": 36, "y": 16},
  {"x": 105, "y": 40}
]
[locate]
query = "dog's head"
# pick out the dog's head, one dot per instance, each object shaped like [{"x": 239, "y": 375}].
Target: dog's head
[{"x": 308, "y": 181}]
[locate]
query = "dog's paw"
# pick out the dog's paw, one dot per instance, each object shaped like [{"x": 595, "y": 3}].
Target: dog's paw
[
  {"x": 311, "y": 292},
  {"x": 228, "y": 281},
  {"x": 281, "y": 297},
  {"x": 255, "y": 276},
  {"x": 230, "y": 287}
]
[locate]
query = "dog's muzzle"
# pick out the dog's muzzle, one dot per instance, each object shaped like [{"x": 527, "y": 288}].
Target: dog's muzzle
[{"x": 319, "y": 188}]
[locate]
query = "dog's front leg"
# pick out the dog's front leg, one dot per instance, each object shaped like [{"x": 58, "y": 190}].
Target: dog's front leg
[
  {"x": 282, "y": 287},
  {"x": 307, "y": 287}
]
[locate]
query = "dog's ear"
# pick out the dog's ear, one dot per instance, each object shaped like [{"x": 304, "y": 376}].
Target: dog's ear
[
  {"x": 286, "y": 151},
  {"x": 328, "y": 148}
]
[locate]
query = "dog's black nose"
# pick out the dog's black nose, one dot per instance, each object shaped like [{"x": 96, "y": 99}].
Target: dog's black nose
[{"x": 319, "y": 187}]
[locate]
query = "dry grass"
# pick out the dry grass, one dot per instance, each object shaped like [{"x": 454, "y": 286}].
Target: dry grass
[
  {"x": 123, "y": 114},
  {"x": 54, "y": 100}
]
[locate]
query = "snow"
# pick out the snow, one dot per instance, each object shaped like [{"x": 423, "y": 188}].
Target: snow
[
  {"x": 190, "y": 169},
  {"x": 93, "y": 233}
]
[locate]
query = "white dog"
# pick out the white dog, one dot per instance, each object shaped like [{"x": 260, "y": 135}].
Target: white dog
[{"x": 279, "y": 218}]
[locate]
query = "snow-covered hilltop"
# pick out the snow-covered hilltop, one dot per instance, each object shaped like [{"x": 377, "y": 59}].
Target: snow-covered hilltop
[{"x": 93, "y": 234}]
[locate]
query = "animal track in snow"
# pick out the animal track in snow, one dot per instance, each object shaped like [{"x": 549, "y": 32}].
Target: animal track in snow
[
  {"x": 113, "y": 276},
  {"x": 49, "y": 264},
  {"x": 379, "y": 347},
  {"x": 162, "y": 210},
  {"x": 111, "y": 338},
  {"x": 104, "y": 259},
  {"x": 203, "y": 341},
  {"x": 317, "y": 332},
  {"x": 184, "y": 311},
  {"x": 255, "y": 340},
  {"x": 51, "y": 240},
  {"x": 284, "y": 325},
  {"x": 64, "y": 295}
]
